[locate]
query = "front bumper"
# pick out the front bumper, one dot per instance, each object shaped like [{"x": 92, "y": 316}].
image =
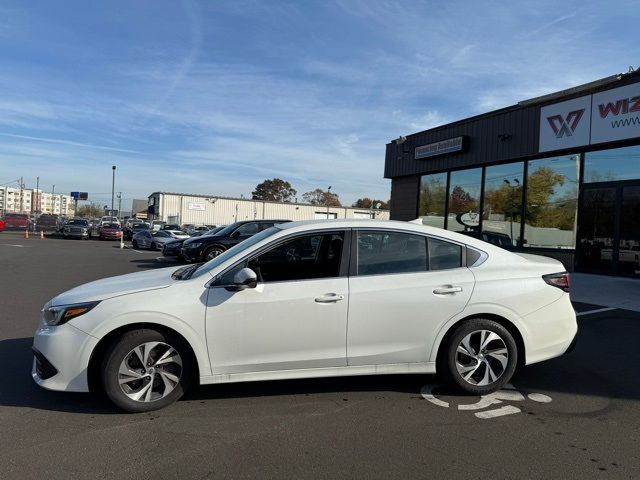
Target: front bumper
[
  {"x": 191, "y": 254},
  {"x": 62, "y": 358},
  {"x": 75, "y": 234}
]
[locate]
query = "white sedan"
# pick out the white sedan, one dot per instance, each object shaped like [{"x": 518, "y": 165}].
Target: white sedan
[{"x": 310, "y": 299}]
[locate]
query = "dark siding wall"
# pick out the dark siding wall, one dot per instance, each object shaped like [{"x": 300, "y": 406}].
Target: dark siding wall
[
  {"x": 404, "y": 198},
  {"x": 484, "y": 146}
]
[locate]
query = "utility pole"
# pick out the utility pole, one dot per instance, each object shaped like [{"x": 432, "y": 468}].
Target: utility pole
[
  {"x": 21, "y": 201},
  {"x": 37, "y": 202},
  {"x": 113, "y": 184},
  {"x": 120, "y": 204},
  {"x": 53, "y": 199},
  {"x": 327, "y": 200}
]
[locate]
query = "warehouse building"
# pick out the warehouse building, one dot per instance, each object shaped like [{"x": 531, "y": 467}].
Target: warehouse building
[
  {"x": 557, "y": 175},
  {"x": 184, "y": 209}
]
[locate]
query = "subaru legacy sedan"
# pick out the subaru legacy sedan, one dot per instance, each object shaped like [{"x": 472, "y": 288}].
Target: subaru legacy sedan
[{"x": 310, "y": 299}]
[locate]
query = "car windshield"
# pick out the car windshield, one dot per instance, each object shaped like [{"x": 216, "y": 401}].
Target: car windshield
[
  {"x": 223, "y": 257},
  {"x": 140, "y": 226},
  {"x": 229, "y": 229},
  {"x": 110, "y": 225},
  {"x": 78, "y": 222}
]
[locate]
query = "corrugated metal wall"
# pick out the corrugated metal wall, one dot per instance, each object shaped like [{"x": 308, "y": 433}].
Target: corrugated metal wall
[{"x": 223, "y": 211}]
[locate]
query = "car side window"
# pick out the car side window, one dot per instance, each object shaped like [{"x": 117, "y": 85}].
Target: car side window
[
  {"x": 382, "y": 253},
  {"x": 444, "y": 255},
  {"x": 248, "y": 229},
  {"x": 305, "y": 257}
]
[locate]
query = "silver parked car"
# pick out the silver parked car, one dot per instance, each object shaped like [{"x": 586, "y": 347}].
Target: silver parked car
[{"x": 153, "y": 240}]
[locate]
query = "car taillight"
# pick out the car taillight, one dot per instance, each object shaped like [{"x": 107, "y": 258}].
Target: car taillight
[{"x": 561, "y": 280}]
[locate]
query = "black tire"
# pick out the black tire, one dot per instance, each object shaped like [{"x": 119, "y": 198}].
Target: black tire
[
  {"x": 153, "y": 246},
  {"x": 135, "y": 244},
  {"x": 450, "y": 356},
  {"x": 212, "y": 252},
  {"x": 122, "y": 349}
]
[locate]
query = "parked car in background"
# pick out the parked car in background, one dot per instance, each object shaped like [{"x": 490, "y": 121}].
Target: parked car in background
[
  {"x": 173, "y": 249},
  {"x": 497, "y": 239},
  {"x": 171, "y": 226},
  {"x": 108, "y": 219},
  {"x": 132, "y": 228},
  {"x": 311, "y": 299},
  {"x": 110, "y": 231},
  {"x": 16, "y": 221},
  {"x": 48, "y": 222},
  {"x": 157, "y": 224},
  {"x": 1, "y": 225},
  {"x": 77, "y": 228},
  {"x": 179, "y": 234},
  {"x": 207, "y": 247},
  {"x": 153, "y": 240}
]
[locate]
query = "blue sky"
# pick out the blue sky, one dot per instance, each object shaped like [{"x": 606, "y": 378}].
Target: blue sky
[{"x": 215, "y": 96}]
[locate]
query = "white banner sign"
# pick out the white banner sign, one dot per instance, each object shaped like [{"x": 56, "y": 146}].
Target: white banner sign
[
  {"x": 599, "y": 118},
  {"x": 616, "y": 114},
  {"x": 197, "y": 206},
  {"x": 566, "y": 124}
]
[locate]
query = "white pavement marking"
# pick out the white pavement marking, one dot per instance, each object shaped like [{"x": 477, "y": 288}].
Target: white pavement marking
[
  {"x": 426, "y": 393},
  {"x": 12, "y": 245},
  {"x": 539, "y": 397},
  {"x": 484, "y": 402},
  {"x": 599, "y": 310},
  {"x": 498, "y": 412}
]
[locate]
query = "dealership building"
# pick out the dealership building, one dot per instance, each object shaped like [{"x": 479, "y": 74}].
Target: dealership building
[{"x": 557, "y": 175}]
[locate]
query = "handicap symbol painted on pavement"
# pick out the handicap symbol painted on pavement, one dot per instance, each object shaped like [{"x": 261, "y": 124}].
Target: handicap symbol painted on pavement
[{"x": 507, "y": 394}]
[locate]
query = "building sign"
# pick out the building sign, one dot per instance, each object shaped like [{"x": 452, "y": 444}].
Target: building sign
[
  {"x": 566, "y": 124},
  {"x": 603, "y": 117},
  {"x": 197, "y": 206},
  {"x": 79, "y": 195},
  {"x": 616, "y": 114},
  {"x": 439, "y": 148}
]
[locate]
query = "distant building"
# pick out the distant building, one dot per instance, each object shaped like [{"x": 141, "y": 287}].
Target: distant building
[
  {"x": 184, "y": 209},
  {"x": 28, "y": 200}
]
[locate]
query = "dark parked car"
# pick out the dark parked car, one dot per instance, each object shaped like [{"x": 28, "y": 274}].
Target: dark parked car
[
  {"x": 16, "y": 221},
  {"x": 206, "y": 247},
  {"x": 48, "y": 223},
  {"x": 171, "y": 226},
  {"x": 77, "y": 228},
  {"x": 173, "y": 249},
  {"x": 132, "y": 229}
]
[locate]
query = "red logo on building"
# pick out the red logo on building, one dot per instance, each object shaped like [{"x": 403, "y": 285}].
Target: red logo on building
[{"x": 565, "y": 126}]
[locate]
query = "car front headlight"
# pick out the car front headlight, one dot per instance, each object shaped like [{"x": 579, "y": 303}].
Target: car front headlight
[
  {"x": 58, "y": 315},
  {"x": 194, "y": 245}
]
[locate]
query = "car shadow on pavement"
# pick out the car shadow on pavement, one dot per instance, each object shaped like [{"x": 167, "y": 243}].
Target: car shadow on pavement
[{"x": 19, "y": 390}]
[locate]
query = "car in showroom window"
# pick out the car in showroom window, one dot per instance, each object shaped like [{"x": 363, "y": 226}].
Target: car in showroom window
[{"x": 418, "y": 299}]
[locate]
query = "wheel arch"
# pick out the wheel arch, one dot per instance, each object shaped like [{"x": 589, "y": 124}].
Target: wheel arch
[
  {"x": 95, "y": 359},
  {"x": 506, "y": 323}
]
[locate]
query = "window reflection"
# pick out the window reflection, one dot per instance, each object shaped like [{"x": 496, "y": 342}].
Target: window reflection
[
  {"x": 464, "y": 200},
  {"x": 502, "y": 212},
  {"x": 552, "y": 202},
  {"x": 433, "y": 193},
  {"x": 612, "y": 165}
]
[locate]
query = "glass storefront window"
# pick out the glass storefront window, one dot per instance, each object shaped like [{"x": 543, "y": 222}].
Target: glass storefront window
[
  {"x": 502, "y": 211},
  {"x": 464, "y": 200},
  {"x": 433, "y": 193},
  {"x": 552, "y": 202},
  {"x": 612, "y": 165}
]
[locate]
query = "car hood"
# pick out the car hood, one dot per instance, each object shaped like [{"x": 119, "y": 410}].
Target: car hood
[{"x": 116, "y": 286}]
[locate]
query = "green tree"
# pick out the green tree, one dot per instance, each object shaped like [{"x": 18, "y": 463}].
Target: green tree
[
  {"x": 275, "y": 190},
  {"x": 89, "y": 211},
  {"x": 367, "y": 202},
  {"x": 321, "y": 197},
  {"x": 461, "y": 201},
  {"x": 433, "y": 194}
]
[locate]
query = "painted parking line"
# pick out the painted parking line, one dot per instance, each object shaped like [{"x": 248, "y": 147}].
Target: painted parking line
[
  {"x": 598, "y": 310},
  {"x": 498, "y": 412},
  {"x": 12, "y": 245}
]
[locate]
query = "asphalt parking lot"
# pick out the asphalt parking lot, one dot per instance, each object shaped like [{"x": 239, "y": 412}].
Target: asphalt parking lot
[{"x": 577, "y": 416}]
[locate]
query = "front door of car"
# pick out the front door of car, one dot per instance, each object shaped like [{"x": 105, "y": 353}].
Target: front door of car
[
  {"x": 403, "y": 288},
  {"x": 296, "y": 316}
]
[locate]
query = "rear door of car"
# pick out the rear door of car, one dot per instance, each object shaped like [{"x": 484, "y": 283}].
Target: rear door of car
[{"x": 403, "y": 287}]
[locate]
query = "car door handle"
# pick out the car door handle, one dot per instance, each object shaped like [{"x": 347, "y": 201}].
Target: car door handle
[
  {"x": 329, "y": 298},
  {"x": 447, "y": 290}
]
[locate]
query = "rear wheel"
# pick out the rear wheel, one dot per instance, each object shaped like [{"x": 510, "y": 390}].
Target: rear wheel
[
  {"x": 212, "y": 252},
  {"x": 479, "y": 358},
  {"x": 146, "y": 370}
]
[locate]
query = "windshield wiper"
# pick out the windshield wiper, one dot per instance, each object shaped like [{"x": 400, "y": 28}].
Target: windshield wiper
[{"x": 185, "y": 273}]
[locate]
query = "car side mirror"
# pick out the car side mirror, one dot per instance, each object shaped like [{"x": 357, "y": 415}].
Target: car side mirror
[{"x": 243, "y": 279}]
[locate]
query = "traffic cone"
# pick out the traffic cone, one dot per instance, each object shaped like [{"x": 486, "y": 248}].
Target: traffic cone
[
  {"x": 26, "y": 234},
  {"x": 41, "y": 234}
]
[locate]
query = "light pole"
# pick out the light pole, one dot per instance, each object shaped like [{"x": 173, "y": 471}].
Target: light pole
[
  {"x": 113, "y": 184},
  {"x": 327, "y": 200}
]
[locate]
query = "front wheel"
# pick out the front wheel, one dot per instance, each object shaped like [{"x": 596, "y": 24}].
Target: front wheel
[
  {"x": 479, "y": 358},
  {"x": 146, "y": 370},
  {"x": 212, "y": 252}
]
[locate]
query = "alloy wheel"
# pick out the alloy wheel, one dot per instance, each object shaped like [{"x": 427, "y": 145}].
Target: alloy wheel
[
  {"x": 150, "y": 372},
  {"x": 213, "y": 253},
  {"x": 481, "y": 357}
]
